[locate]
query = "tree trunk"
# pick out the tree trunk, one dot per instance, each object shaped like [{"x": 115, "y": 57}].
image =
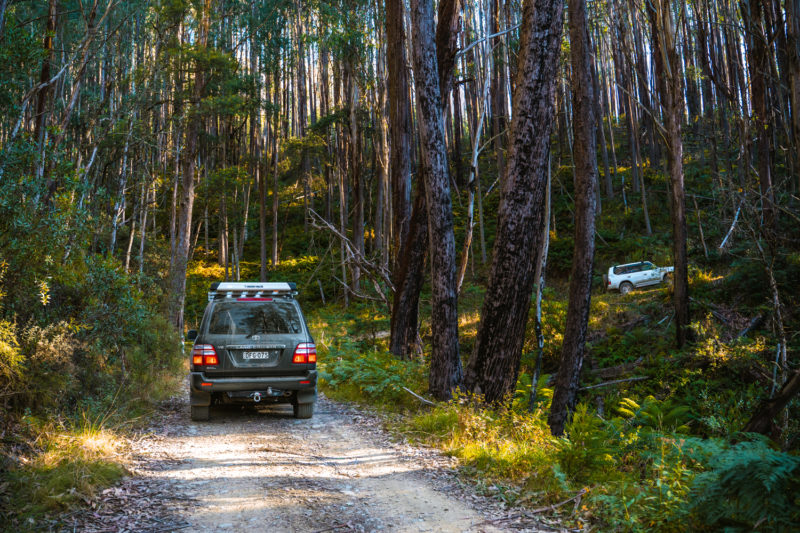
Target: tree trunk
[
  {"x": 494, "y": 364},
  {"x": 445, "y": 371},
  {"x": 275, "y": 198},
  {"x": 43, "y": 94},
  {"x": 262, "y": 196},
  {"x": 671, "y": 96},
  {"x": 3, "y": 5},
  {"x": 177, "y": 274},
  {"x": 585, "y": 179},
  {"x": 399, "y": 123},
  {"x": 408, "y": 272},
  {"x": 793, "y": 59},
  {"x": 753, "y": 17}
]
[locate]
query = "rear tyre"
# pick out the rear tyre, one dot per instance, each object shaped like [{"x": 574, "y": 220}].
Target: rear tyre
[
  {"x": 199, "y": 413},
  {"x": 303, "y": 410},
  {"x": 625, "y": 287}
]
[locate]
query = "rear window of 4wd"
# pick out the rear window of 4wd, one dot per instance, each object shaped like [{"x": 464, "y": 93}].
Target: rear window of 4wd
[{"x": 254, "y": 318}]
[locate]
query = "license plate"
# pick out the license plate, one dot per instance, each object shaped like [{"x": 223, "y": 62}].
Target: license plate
[{"x": 256, "y": 355}]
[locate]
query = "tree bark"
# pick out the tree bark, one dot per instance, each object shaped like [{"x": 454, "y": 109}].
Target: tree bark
[
  {"x": 408, "y": 273},
  {"x": 445, "y": 371},
  {"x": 671, "y": 97},
  {"x": 399, "y": 123},
  {"x": 409, "y": 278},
  {"x": 494, "y": 364},
  {"x": 585, "y": 179},
  {"x": 177, "y": 274},
  {"x": 793, "y": 59},
  {"x": 758, "y": 62}
]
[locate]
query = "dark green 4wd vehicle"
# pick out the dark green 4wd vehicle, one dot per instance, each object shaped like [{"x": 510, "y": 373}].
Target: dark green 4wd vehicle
[{"x": 253, "y": 346}]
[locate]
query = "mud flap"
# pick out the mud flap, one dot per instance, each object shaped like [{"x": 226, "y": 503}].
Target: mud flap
[
  {"x": 199, "y": 399},
  {"x": 307, "y": 395}
]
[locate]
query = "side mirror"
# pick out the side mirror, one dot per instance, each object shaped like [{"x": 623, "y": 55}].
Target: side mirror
[{"x": 191, "y": 335}]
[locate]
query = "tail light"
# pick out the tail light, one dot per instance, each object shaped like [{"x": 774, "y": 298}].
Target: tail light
[
  {"x": 306, "y": 352},
  {"x": 204, "y": 355}
]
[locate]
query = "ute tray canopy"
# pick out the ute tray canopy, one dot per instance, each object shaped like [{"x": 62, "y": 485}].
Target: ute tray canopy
[{"x": 229, "y": 289}]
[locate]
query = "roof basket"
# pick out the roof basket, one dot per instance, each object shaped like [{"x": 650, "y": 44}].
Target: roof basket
[{"x": 228, "y": 289}]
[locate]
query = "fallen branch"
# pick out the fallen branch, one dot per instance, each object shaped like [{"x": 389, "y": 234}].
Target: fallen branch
[
  {"x": 375, "y": 272},
  {"x": 716, "y": 314},
  {"x": 612, "y": 372},
  {"x": 762, "y": 420},
  {"x": 418, "y": 397},
  {"x": 733, "y": 225},
  {"x": 559, "y": 504},
  {"x": 614, "y": 382},
  {"x": 756, "y": 322}
]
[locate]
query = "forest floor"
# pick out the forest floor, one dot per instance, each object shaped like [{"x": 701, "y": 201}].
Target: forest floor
[{"x": 262, "y": 470}]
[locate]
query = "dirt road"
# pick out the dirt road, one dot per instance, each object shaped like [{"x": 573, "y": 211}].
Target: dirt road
[{"x": 262, "y": 470}]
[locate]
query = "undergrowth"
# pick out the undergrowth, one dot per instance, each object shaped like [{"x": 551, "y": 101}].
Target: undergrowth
[
  {"x": 63, "y": 463},
  {"x": 670, "y": 461}
]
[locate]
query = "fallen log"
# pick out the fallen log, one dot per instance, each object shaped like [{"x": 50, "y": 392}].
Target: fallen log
[
  {"x": 761, "y": 422},
  {"x": 614, "y": 382}
]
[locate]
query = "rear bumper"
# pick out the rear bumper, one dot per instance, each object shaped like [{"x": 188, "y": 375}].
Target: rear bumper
[{"x": 201, "y": 386}]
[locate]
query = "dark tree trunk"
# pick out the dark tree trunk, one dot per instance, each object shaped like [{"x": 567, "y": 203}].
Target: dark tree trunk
[
  {"x": 445, "y": 371},
  {"x": 177, "y": 274},
  {"x": 671, "y": 96},
  {"x": 498, "y": 90},
  {"x": 408, "y": 272},
  {"x": 585, "y": 178},
  {"x": 399, "y": 124},
  {"x": 793, "y": 60},
  {"x": 262, "y": 205},
  {"x": 408, "y": 252},
  {"x": 494, "y": 364},
  {"x": 753, "y": 17},
  {"x": 409, "y": 269},
  {"x": 40, "y": 112}
]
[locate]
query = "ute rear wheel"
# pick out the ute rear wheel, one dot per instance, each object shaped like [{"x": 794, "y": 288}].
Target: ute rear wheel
[
  {"x": 625, "y": 287},
  {"x": 199, "y": 413},
  {"x": 303, "y": 410}
]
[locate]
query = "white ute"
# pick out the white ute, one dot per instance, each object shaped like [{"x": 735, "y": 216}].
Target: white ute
[{"x": 625, "y": 277}]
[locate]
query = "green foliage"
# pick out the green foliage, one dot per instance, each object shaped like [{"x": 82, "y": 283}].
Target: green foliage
[
  {"x": 747, "y": 487},
  {"x": 655, "y": 415},
  {"x": 375, "y": 376},
  {"x": 586, "y": 452},
  {"x": 11, "y": 360}
]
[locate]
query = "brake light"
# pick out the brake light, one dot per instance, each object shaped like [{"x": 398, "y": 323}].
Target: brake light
[
  {"x": 253, "y": 299},
  {"x": 204, "y": 355},
  {"x": 306, "y": 352}
]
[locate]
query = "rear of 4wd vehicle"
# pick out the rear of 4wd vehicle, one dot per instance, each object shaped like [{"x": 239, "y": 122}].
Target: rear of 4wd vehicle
[{"x": 253, "y": 346}]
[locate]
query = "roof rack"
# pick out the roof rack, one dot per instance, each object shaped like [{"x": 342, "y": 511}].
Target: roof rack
[{"x": 229, "y": 289}]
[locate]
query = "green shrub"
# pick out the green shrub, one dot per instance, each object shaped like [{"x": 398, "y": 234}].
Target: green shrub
[
  {"x": 11, "y": 360},
  {"x": 586, "y": 453},
  {"x": 748, "y": 487}
]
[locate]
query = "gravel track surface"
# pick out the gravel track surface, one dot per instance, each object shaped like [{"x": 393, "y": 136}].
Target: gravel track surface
[{"x": 262, "y": 470}]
